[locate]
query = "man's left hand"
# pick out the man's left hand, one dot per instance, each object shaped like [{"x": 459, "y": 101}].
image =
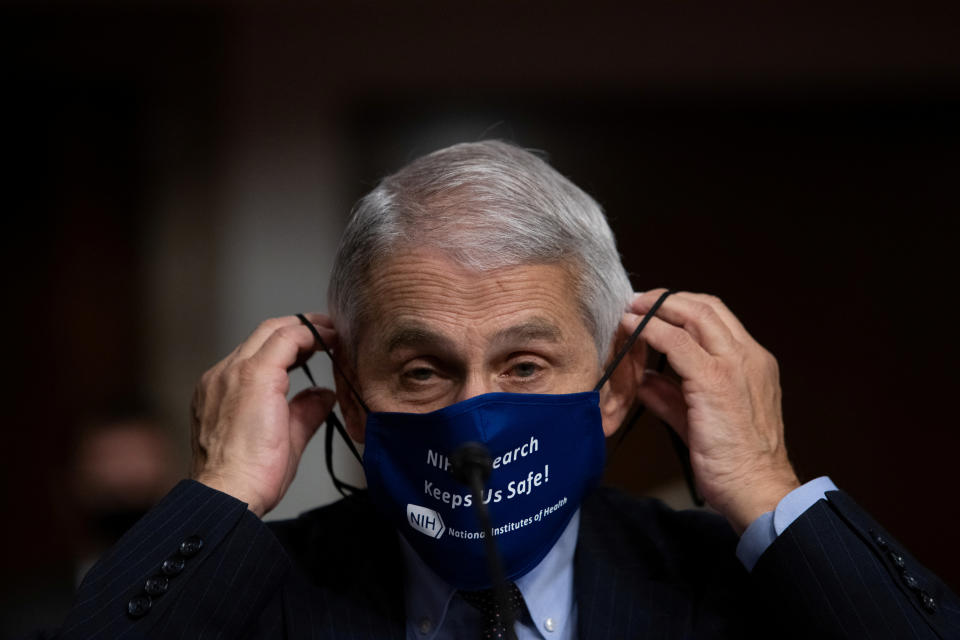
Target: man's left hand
[{"x": 726, "y": 406}]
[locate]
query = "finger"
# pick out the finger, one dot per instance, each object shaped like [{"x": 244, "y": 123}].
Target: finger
[
  {"x": 733, "y": 323},
  {"x": 321, "y": 320},
  {"x": 302, "y": 358},
  {"x": 262, "y": 333},
  {"x": 698, "y": 318},
  {"x": 285, "y": 346},
  {"x": 664, "y": 398},
  {"x": 325, "y": 329},
  {"x": 686, "y": 355},
  {"x": 308, "y": 410}
]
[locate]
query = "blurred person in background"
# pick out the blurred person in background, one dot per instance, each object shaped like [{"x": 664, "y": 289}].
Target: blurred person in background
[
  {"x": 478, "y": 296},
  {"x": 122, "y": 468},
  {"x": 122, "y": 465}
]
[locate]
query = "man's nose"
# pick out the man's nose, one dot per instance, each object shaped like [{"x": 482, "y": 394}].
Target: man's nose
[{"x": 474, "y": 385}]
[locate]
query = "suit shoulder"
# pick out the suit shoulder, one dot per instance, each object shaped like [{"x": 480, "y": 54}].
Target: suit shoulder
[
  {"x": 650, "y": 514},
  {"x": 333, "y": 540},
  {"x": 671, "y": 542},
  {"x": 334, "y": 523}
]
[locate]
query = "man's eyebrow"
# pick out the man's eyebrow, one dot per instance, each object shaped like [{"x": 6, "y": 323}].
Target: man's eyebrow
[
  {"x": 414, "y": 335},
  {"x": 529, "y": 331}
]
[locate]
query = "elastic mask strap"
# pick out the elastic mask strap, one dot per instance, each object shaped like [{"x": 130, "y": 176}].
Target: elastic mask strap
[
  {"x": 683, "y": 453},
  {"x": 625, "y": 349},
  {"x": 336, "y": 365},
  {"x": 333, "y": 422}
]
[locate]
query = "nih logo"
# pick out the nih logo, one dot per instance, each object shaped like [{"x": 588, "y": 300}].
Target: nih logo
[{"x": 426, "y": 521}]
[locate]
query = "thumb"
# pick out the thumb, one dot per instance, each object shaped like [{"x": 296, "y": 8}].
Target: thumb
[
  {"x": 308, "y": 410},
  {"x": 663, "y": 396}
]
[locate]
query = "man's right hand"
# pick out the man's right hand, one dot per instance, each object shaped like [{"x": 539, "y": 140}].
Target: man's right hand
[{"x": 247, "y": 438}]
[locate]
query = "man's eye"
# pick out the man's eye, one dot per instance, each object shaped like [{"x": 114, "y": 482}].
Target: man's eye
[
  {"x": 525, "y": 369},
  {"x": 420, "y": 374}
]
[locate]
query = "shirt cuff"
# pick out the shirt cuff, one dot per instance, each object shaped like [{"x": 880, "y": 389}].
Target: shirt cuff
[{"x": 764, "y": 530}]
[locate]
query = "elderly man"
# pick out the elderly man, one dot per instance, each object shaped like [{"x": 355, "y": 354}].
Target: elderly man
[{"x": 478, "y": 296}]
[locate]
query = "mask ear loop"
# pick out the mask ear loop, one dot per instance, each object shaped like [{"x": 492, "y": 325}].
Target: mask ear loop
[
  {"x": 625, "y": 349},
  {"x": 333, "y": 422},
  {"x": 683, "y": 453}
]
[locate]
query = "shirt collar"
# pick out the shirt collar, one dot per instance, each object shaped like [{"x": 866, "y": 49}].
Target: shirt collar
[{"x": 547, "y": 589}]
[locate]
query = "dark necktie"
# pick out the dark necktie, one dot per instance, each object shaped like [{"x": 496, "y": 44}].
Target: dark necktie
[{"x": 485, "y": 602}]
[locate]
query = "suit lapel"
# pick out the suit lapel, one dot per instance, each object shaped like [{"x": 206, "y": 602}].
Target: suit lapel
[
  {"x": 349, "y": 573},
  {"x": 616, "y": 595},
  {"x": 376, "y": 590}
]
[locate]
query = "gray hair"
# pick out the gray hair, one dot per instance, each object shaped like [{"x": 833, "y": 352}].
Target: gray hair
[{"x": 485, "y": 205}]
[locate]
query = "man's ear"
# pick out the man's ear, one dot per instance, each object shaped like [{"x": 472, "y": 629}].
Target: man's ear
[
  {"x": 353, "y": 417},
  {"x": 619, "y": 393}
]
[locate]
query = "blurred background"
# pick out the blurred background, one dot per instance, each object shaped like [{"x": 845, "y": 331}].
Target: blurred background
[{"x": 179, "y": 171}]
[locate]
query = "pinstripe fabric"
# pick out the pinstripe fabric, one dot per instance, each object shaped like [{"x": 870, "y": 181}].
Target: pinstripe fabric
[
  {"x": 645, "y": 571},
  {"x": 194, "y": 603},
  {"x": 847, "y": 586},
  {"x": 348, "y": 576},
  {"x": 641, "y": 571}
]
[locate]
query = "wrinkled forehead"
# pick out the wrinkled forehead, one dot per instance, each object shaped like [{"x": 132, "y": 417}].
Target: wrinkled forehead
[{"x": 424, "y": 297}]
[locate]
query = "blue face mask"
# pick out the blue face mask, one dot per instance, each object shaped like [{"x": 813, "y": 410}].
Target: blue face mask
[{"x": 547, "y": 453}]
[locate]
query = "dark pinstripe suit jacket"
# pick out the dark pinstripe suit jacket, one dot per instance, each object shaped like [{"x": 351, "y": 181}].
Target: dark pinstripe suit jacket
[{"x": 642, "y": 571}]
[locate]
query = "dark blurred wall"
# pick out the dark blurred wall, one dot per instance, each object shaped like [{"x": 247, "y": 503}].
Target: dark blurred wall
[
  {"x": 99, "y": 105},
  {"x": 799, "y": 160}
]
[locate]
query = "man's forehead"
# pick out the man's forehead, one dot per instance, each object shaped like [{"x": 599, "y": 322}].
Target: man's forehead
[
  {"x": 414, "y": 332},
  {"x": 423, "y": 297}
]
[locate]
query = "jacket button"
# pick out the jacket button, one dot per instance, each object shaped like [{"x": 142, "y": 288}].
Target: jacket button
[
  {"x": 191, "y": 546},
  {"x": 897, "y": 560},
  {"x": 157, "y": 585},
  {"x": 173, "y": 566},
  {"x": 910, "y": 581},
  {"x": 139, "y": 606},
  {"x": 880, "y": 541},
  {"x": 928, "y": 602}
]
